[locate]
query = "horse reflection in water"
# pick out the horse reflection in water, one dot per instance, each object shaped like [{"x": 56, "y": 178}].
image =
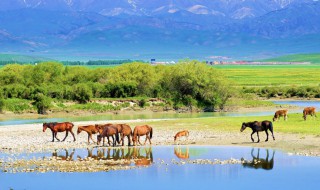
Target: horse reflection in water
[
  {"x": 65, "y": 157},
  {"x": 182, "y": 153},
  {"x": 260, "y": 163},
  {"x": 140, "y": 156}
]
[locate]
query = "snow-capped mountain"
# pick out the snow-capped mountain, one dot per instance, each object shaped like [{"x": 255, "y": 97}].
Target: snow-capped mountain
[{"x": 172, "y": 28}]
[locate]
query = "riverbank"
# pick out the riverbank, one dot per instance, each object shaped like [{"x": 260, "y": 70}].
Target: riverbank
[{"x": 203, "y": 131}]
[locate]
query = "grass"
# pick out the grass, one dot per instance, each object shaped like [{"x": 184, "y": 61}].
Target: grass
[
  {"x": 295, "y": 124},
  {"x": 272, "y": 75},
  {"x": 312, "y": 58}
]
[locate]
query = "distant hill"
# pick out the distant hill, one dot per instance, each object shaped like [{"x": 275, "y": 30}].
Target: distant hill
[
  {"x": 14, "y": 58},
  {"x": 312, "y": 58}
]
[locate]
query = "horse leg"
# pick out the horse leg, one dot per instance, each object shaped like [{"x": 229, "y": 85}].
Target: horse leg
[
  {"x": 88, "y": 138},
  {"x": 52, "y": 136},
  {"x": 129, "y": 140},
  {"x": 149, "y": 139},
  {"x": 258, "y": 137},
  {"x": 113, "y": 141},
  {"x": 122, "y": 139},
  {"x": 65, "y": 136},
  {"x": 267, "y": 135},
  {"x": 272, "y": 133},
  {"x": 55, "y": 135},
  {"x": 74, "y": 138},
  {"x": 251, "y": 136},
  {"x": 145, "y": 142},
  {"x": 91, "y": 138},
  {"x": 139, "y": 140}
]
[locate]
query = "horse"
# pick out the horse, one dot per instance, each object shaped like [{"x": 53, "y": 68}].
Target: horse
[
  {"x": 280, "y": 113},
  {"x": 258, "y": 126},
  {"x": 142, "y": 159},
  {"x": 90, "y": 129},
  {"x": 141, "y": 131},
  {"x": 59, "y": 127},
  {"x": 107, "y": 132},
  {"x": 126, "y": 131},
  {"x": 309, "y": 111},
  {"x": 65, "y": 157},
  {"x": 181, "y": 133},
  {"x": 258, "y": 162}
]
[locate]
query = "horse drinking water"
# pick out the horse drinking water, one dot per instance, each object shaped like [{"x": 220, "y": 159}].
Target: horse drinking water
[
  {"x": 258, "y": 126},
  {"x": 59, "y": 127}
]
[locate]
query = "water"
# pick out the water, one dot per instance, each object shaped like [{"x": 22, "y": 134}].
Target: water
[
  {"x": 273, "y": 170},
  {"x": 160, "y": 115}
]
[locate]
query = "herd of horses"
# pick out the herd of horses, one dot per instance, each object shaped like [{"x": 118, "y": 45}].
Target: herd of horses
[{"x": 118, "y": 132}]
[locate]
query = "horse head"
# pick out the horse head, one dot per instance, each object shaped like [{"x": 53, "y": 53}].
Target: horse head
[
  {"x": 44, "y": 127},
  {"x": 79, "y": 130},
  {"x": 243, "y": 127}
]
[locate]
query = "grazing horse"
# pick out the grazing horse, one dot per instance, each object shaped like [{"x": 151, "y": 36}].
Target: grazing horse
[
  {"x": 141, "y": 131},
  {"x": 59, "y": 127},
  {"x": 90, "y": 129},
  {"x": 280, "y": 113},
  {"x": 107, "y": 132},
  {"x": 258, "y": 162},
  {"x": 181, "y": 133},
  {"x": 309, "y": 111},
  {"x": 258, "y": 126}
]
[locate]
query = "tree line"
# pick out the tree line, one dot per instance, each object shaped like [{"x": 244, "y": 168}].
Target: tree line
[{"x": 188, "y": 83}]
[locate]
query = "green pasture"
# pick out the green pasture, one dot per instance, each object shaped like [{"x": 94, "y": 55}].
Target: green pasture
[
  {"x": 272, "y": 75},
  {"x": 295, "y": 124},
  {"x": 312, "y": 58}
]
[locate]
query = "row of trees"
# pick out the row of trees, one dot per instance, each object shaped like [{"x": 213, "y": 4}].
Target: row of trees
[{"x": 188, "y": 83}]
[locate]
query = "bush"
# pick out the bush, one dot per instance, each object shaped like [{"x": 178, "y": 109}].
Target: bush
[
  {"x": 42, "y": 103},
  {"x": 82, "y": 93},
  {"x": 2, "y": 105}
]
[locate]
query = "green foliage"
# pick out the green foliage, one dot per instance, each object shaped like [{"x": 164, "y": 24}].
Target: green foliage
[
  {"x": 42, "y": 103},
  {"x": 142, "y": 103},
  {"x": 312, "y": 58},
  {"x": 95, "y": 107},
  {"x": 2, "y": 105},
  {"x": 188, "y": 83},
  {"x": 82, "y": 93},
  {"x": 17, "y": 105}
]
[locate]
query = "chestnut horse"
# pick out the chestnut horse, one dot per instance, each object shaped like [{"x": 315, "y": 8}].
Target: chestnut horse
[
  {"x": 309, "y": 111},
  {"x": 280, "y": 113},
  {"x": 90, "y": 129},
  {"x": 126, "y": 131},
  {"x": 107, "y": 132},
  {"x": 258, "y": 126},
  {"x": 59, "y": 127},
  {"x": 141, "y": 131},
  {"x": 181, "y": 133}
]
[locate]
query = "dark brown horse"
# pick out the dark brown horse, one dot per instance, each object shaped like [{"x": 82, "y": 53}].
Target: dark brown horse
[
  {"x": 258, "y": 162},
  {"x": 107, "y": 132},
  {"x": 59, "y": 127},
  {"x": 141, "y": 131},
  {"x": 258, "y": 126},
  {"x": 309, "y": 111},
  {"x": 280, "y": 113},
  {"x": 90, "y": 129}
]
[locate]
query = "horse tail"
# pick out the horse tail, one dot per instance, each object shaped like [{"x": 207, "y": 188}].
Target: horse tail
[
  {"x": 271, "y": 126},
  {"x": 150, "y": 132}
]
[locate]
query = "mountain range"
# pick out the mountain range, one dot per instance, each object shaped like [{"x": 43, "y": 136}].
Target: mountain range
[{"x": 166, "y": 29}]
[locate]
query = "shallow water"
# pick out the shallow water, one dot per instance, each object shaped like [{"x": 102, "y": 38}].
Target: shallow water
[
  {"x": 162, "y": 115},
  {"x": 277, "y": 170}
]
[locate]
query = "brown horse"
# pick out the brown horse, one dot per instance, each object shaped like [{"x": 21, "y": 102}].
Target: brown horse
[
  {"x": 280, "y": 113},
  {"x": 258, "y": 126},
  {"x": 90, "y": 129},
  {"x": 59, "y": 127},
  {"x": 309, "y": 111},
  {"x": 107, "y": 132},
  {"x": 126, "y": 131},
  {"x": 141, "y": 131},
  {"x": 258, "y": 162},
  {"x": 181, "y": 133},
  {"x": 142, "y": 159}
]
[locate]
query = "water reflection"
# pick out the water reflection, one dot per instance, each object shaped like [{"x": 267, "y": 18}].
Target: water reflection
[
  {"x": 260, "y": 163},
  {"x": 182, "y": 153},
  {"x": 65, "y": 156},
  {"x": 139, "y": 156}
]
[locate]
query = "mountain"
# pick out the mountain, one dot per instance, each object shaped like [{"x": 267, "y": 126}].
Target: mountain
[{"x": 167, "y": 29}]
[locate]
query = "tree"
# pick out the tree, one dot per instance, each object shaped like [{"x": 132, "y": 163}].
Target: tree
[
  {"x": 42, "y": 103},
  {"x": 82, "y": 93}
]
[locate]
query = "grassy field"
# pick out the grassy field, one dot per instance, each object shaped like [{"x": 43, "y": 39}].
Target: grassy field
[
  {"x": 272, "y": 75},
  {"x": 312, "y": 58},
  {"x": 295, "y": 124}
]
